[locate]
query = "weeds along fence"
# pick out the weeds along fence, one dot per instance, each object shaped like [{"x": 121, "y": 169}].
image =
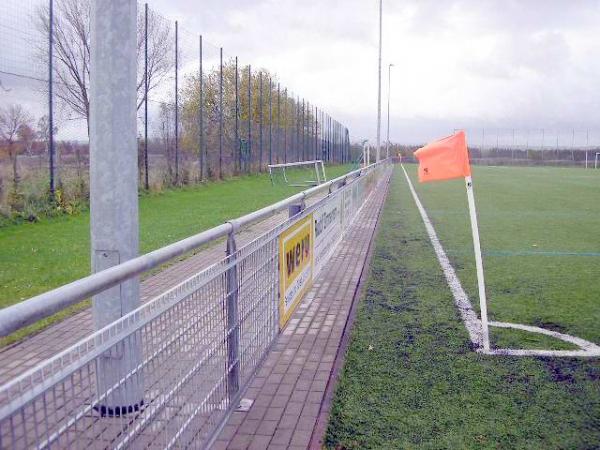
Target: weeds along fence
[
  {"x": 202, "y": 113},
  {"x": 185, "y": 357}
]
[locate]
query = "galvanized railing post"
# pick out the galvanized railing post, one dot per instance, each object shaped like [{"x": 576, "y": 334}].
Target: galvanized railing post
[
  {"x": 297, "y": 208},
  {"x": 233, "y": 327}
]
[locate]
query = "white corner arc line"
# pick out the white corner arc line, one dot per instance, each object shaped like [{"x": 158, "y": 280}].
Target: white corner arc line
[{"x": 470, "y": 319}]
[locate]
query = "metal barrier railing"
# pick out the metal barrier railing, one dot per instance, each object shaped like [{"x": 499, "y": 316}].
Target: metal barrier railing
[{"x": 191, "y": 351}]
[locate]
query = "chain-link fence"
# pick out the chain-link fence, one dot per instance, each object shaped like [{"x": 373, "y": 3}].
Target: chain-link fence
[
  {"x": 539, "y": 147},
  {"x": 202, "y": 113}
]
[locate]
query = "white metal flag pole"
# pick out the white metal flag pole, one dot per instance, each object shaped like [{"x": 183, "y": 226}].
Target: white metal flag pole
[{"x": 485, "y": 336}]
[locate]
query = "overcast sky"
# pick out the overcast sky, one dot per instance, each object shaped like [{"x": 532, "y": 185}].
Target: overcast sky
[
  {"x": 479, "y": 65},
  {"x": 458, "y": 64}
]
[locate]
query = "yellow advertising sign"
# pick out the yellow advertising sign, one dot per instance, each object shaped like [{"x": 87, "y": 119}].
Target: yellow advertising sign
[{"x": 296, "y": 248}]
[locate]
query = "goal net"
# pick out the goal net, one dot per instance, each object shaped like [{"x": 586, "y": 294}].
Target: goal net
[{"x": 301, "y": 173}]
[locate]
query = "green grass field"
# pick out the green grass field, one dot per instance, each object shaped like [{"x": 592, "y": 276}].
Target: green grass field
[
  {"x": 36, "y": 257},
  {"x": 539, "y": 235},
  {"x": 411, "y": 379}
]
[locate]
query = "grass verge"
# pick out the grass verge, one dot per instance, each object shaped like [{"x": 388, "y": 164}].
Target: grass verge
[
  {"x": 37, "y": 257},
  {"x": 411, "y": 380}
]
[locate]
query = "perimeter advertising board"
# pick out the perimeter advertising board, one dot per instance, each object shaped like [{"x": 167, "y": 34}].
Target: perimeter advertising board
[
  {"x": 296, "y": 245},
  {"x": 328, "y": 230},
  {"x": 347, "y": 206}
]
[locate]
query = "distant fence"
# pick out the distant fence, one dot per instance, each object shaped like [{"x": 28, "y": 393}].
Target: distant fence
[
  {"x": 202, "y": 113},
  {"x": 561, "y": 157},
  {"x": 189, "y": 352}
]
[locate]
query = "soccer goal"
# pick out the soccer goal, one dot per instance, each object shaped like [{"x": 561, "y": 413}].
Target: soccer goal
[{"x": 300, "y": 173}]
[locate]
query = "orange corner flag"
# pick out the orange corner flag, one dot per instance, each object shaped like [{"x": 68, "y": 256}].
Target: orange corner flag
[{"x": 444, "y": 159}]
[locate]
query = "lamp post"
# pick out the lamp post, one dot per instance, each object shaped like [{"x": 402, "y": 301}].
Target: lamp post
[{"x": 387, "y": 144}]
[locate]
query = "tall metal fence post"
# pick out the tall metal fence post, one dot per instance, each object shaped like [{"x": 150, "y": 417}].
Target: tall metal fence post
[
  {"x": 285, "y": 108},
  {"x": 338, "y": 142},
  {"x": 330, "y": 140},
  {"x": 336, "y": 148},
  {"x": 176, "y": 103},
  {"x": 270, "y": 121},
  {"x": 316, "y": 131},
  {"x": 50, "y": 95},
  {"x": 114, "y": 191},
  {"x": 305, "y": 136},
  {"x": 221, "y": 112},
  {"x": 202, "y": 150},
  {"x": 146, "y": 180},
  {"x": 297, "y": 122},
  {"x": 260, "y": 121},
  {"x": 278, "y": 122},
  {"x": 236, "y": 144},
  {"x": 307, "y": 128},
  {"x": 233, "y": 330},
  {"x": 333, "y": 148},
  {"x": 249, "y": 162}
]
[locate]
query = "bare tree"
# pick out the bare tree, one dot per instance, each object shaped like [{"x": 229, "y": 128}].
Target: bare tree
[
  {"x": 12, "y": 120},
  {"x": 27, "y": 137},
  {"x": 72, "y": 52}
]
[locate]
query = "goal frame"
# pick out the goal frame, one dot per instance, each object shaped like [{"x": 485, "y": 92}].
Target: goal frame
[{"x": 321, "y": 177}]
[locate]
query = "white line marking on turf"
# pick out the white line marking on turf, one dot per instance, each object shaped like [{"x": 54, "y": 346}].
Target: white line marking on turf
[
  {"x": 472, "y": 322},
  {"x": 470, "y": 319}
]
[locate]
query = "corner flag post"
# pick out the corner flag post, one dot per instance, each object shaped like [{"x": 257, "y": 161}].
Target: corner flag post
[
  {"x": 485, "y": 335},
  {"x": 446, "y": 159}
]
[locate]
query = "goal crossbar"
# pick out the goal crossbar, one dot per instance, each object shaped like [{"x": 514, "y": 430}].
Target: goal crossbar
[{"x": 318, "y": 165}]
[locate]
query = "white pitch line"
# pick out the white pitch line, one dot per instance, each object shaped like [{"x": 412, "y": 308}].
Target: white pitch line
[
  {"x": 470, "y": 319},
  {"x": 472, "y": 322}
]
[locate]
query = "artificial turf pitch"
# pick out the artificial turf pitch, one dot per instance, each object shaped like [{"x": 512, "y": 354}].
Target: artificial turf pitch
[{"x": 410, "y": 378}]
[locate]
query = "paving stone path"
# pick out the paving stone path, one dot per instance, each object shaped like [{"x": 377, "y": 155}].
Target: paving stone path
[{"x": 289, "y": 391}]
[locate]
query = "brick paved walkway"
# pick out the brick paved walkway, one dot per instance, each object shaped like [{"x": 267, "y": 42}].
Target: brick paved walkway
[{"x": 289, "y": 389}]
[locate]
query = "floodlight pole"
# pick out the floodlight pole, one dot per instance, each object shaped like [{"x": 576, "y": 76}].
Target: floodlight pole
[
  {"x": 387, "y": 144},
  {"x": 379, "y": 84},
  {"x": 485, "y": 336},
  {"x": 114, "y": 224}
]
